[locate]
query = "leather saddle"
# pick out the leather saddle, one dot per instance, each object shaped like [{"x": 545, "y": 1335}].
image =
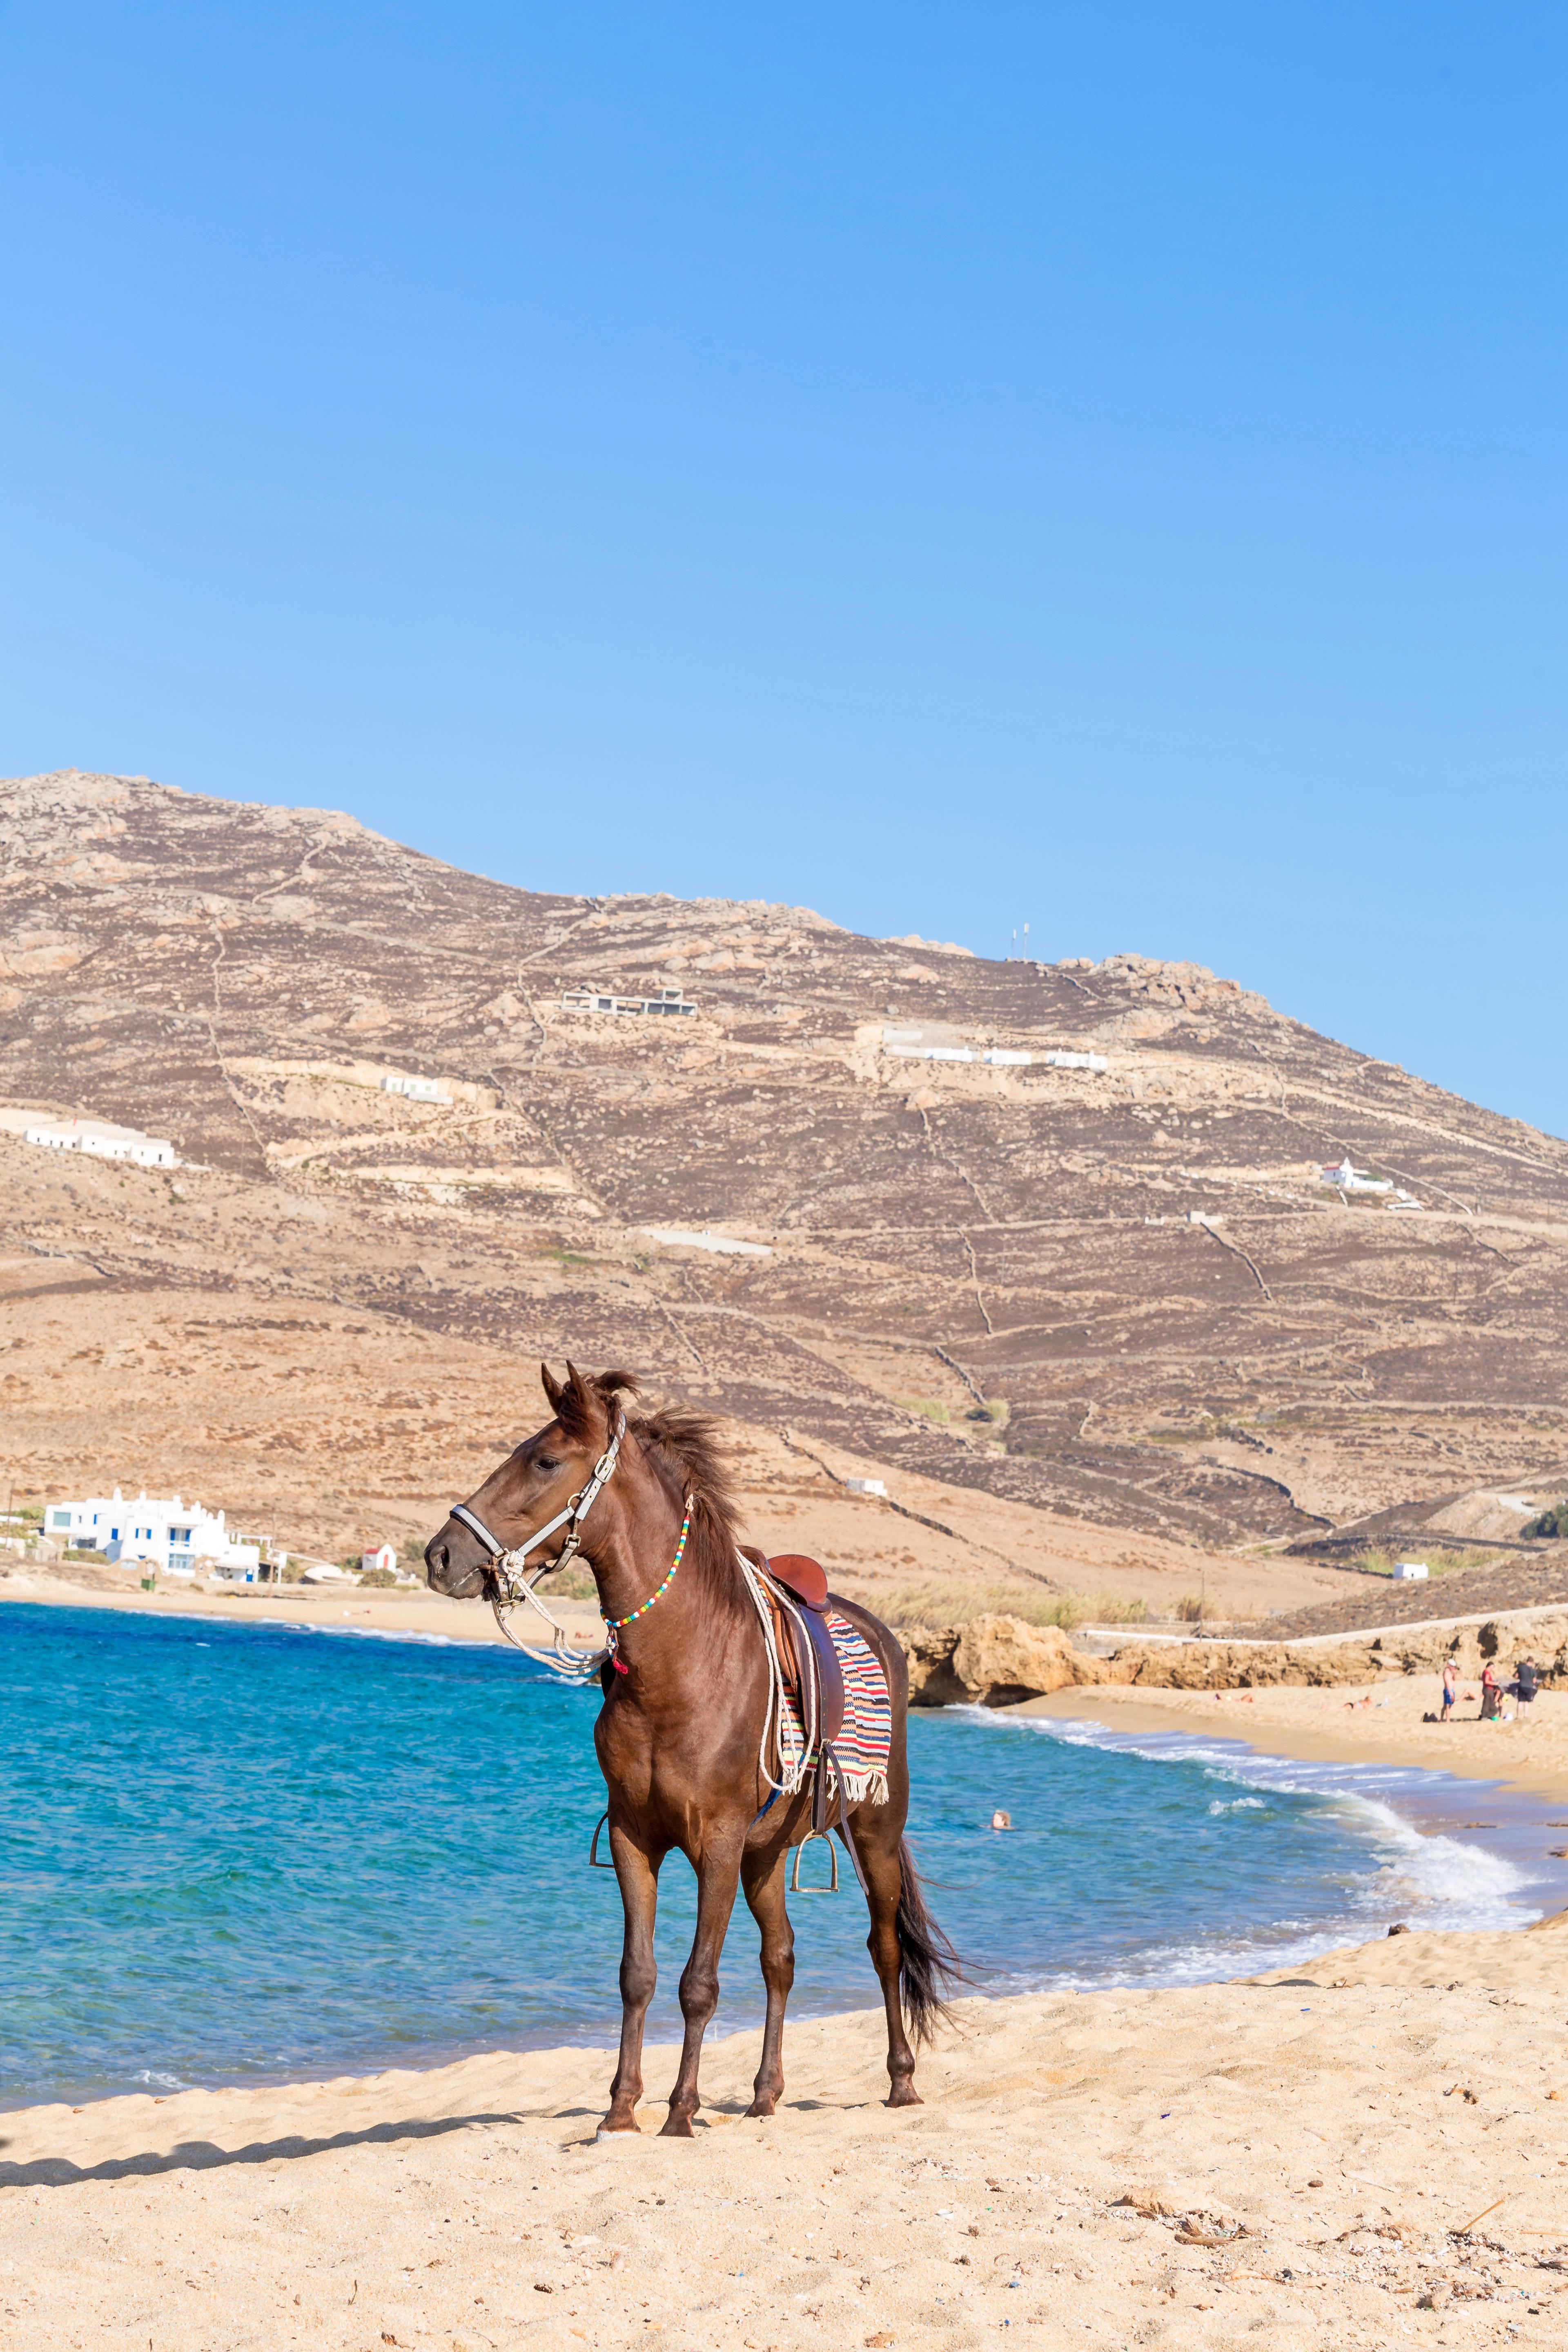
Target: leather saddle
[{"x": 802, "y": 1637}]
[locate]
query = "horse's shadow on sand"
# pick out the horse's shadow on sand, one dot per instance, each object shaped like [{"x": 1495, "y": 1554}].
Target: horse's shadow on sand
[{"x": 206, "y": 2156}]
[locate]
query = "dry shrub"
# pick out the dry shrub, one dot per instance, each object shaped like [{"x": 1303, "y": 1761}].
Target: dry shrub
[
  {"x": 954, "y": 1600},
  {"x": 568, "y": 1583}
]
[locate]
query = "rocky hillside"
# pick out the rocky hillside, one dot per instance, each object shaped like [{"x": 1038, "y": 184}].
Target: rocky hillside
[{"x": 988, "y": 1271}]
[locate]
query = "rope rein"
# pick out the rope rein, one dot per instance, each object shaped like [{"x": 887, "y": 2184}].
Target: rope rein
[{"x": 794, "y": 1748}]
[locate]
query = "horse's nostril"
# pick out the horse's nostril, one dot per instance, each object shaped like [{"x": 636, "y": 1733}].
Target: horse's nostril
[{"x": 435, "y": 1557}]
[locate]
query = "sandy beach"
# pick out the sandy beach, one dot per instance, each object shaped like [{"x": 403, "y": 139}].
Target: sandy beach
[{"x": 1370, "y": 2149}]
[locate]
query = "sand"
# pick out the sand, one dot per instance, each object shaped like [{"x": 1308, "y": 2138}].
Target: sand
[{"x": 1305, "y": 2155}]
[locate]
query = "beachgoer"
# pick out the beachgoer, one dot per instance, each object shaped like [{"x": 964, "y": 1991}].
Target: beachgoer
[
  {"x": 1450, "y": 1691},
  {"x": 1491, "y": 1696},
  {"x": 1527, "y": 1683},
  {"x": 1001, "y": 1820}
]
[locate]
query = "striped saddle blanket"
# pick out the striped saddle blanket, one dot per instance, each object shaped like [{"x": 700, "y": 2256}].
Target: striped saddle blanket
[{"x": 862, "y": 1746}]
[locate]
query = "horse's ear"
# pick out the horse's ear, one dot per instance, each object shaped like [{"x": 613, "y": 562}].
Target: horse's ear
[
  {"x": 552, "y": 1388},
  {"x": 579, "y": 1408}
]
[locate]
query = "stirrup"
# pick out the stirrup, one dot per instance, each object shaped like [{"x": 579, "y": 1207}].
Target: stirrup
[
  {"x": 832, "y": 1887},
  {"x": 594, "y": 1861}
]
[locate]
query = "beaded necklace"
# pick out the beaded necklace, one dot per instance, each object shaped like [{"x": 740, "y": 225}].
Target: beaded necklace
[{"x": 613, "y": 1624}]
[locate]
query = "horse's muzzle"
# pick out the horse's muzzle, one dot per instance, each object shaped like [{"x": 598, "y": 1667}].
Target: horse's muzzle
[{"x": 455, "y": 1562}]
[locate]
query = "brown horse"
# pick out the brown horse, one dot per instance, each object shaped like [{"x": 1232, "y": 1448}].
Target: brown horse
[{"x": 681, "y": 1726}]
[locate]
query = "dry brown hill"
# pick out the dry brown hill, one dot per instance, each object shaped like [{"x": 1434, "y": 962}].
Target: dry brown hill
[{"x": 984, "y": 1273}]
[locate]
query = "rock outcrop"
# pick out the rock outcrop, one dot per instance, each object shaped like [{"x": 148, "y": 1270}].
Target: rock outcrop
[
  {"x": 994, "y": 1662},
  {"x": 1000, "y": 1661},
  {"x": 1250, "y": 1665}
]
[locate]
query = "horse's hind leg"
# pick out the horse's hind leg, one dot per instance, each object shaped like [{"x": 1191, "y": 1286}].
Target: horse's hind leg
[
  {"x": 882, "y": 1864},
  {"x": 637, "y": 1873},
  {"x": 718, "y": 1871},
  {"x": 763, "y": 1877}
]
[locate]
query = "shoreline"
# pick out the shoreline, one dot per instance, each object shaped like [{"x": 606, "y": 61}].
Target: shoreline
[
  {"x": 1425, "y": 1788},
  {"x": 320, "y": 1607},
  {"x": 1308, "y": 1724},
  {"x": 1310, "y": 1727}
]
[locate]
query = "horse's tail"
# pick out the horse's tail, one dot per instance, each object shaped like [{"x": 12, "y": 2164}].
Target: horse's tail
[{"x": 932, "y": 1970}]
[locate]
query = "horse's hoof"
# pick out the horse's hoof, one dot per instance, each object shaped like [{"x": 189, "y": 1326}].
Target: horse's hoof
[
  {"x": 762, "y": 2109},
  {"x": 903, "y": 2095},
  {"x": 618, "y": 2131},
  {"x": 677, "y": 2127}
]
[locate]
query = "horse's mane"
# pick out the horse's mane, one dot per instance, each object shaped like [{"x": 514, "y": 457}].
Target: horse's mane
[{"x": 682, "y": 1445}]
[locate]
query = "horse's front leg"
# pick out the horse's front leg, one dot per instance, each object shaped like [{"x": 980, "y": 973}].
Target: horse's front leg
[
  {"x": 718, "y": 1876},
  {"x": 637, "y": 1872}
]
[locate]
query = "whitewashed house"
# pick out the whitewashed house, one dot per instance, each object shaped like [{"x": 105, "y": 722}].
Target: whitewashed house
[
  {"x": 384, "y": 1556},
  {"x": 593, "y": 999},
  {"x": 101, "y": 1140},
  {"x": 177, "y": 1537},
  {"x": 1348, "y": 1178},
  {"x": 939, "y": 1042}
]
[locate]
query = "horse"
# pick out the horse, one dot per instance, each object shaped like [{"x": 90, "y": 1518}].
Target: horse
[{"x": 687, "y": 1689}]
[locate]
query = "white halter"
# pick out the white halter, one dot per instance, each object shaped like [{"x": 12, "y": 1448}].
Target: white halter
[{"x": 510, "y": 1582}]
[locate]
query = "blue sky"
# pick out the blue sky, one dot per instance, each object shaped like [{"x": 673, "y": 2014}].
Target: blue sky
[{"x": 1100, "y": 467}]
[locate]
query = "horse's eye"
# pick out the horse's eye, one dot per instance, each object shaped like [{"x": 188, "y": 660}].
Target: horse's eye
[{"x": 545, "y": 1462}]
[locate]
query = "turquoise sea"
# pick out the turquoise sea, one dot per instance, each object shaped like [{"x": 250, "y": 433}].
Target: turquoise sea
[{"x": 235, "y": 1854}]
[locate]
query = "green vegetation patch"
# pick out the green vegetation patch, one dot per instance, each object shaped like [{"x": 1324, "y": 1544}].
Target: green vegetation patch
[
  {"x": 931, "y": 1407},
  {"x": 1438, "y": 1563}
]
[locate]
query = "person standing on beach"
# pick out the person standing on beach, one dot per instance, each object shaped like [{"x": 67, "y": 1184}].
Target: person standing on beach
[
  {"x": 1526, "y": 1685},
  {"x": 1491, "y": 1696},
  {"x": 1450, "y": 1691}
]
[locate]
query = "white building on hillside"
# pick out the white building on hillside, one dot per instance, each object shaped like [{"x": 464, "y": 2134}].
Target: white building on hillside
[
  {"x": 593, "y": 1000},
  {"x": 101, "y": 1140},
  {"x": 179, "y": 1537},
  {"x": 384, "y": 1556}
]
